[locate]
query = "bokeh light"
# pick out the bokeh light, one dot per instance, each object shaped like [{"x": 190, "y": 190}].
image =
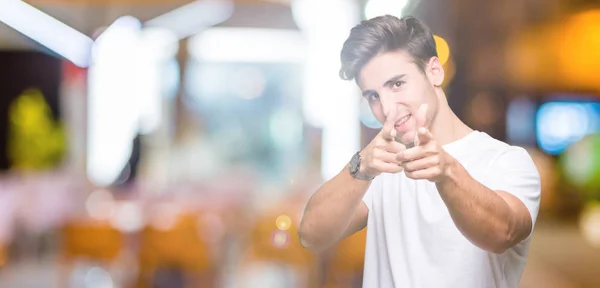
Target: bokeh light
[
  {"x": 589, "y": 223},
  {"x": 128, "y": 217},
  {"x": 98, "y": 278},
  {"x": 577, "y": 51},
  {"x": 164, "y": 216},
  {"x": 520, "y": 121},
  {"x": 443, "y": 49},
  {"x": 560, "y": 124},
  {"x": 581, "y": 165},
  {"x": 280, "y": 239},
  {"x": 251, "y": 83},
  {"x": 283, "y": 222},
  {"x": 100, "y": 204}
]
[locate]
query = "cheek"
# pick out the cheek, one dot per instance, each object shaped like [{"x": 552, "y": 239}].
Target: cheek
[{"x": 420, "y": 94}]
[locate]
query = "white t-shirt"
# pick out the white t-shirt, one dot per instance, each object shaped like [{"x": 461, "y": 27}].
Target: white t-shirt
[{"x": 413, "y": 242}]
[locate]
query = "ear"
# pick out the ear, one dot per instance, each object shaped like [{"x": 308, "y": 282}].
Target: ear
[{"x": 435, "y": 72}]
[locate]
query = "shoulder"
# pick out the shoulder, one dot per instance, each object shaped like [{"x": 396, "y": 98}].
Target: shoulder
[
  {"x": 487, "y": 155},
  {"x": 503, "y": 158},
  {"x": 502, "y": 152},
  {"x": 496, "y": 150}
]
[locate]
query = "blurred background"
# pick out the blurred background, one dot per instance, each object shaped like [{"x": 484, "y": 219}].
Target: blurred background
[{"x": 174, "y": 143}]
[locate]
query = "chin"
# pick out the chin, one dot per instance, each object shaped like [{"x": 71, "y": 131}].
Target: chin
[{"x": 408, "y": 138}]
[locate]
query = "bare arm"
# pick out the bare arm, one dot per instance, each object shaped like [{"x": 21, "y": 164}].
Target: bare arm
[
  {"x": 334, "y": 212},
  {"x": 492, "y": 220}
]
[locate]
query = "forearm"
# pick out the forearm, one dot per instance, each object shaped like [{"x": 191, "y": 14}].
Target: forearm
[
  {"x": 330, "y": 210},
  {"x": 481, "y": 215}
]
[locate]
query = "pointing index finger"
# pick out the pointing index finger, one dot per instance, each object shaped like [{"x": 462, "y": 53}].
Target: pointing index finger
[
  {"x": 422, "y": 133},
  {"x": 389, "y": 131}
]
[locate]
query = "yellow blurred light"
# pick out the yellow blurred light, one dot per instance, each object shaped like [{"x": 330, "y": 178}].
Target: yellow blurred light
[
  {"x": 283, "y": 222},
  {"x": 589, "y": 224},
  {"x": 443, "y": 49},
  {"x": 35, "y": 140}
]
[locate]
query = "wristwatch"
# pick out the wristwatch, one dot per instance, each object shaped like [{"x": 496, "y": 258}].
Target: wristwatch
[{"x": 355, "y": 169}]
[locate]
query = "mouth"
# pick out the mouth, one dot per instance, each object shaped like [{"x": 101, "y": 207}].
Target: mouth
[{"x": 400, "y": 123}]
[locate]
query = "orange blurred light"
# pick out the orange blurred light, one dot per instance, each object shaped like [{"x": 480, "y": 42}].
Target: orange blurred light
[
  {"x": 578, "y": 45},
  {"x": 560, "y": 56},
  {"x": 443, "y": 49}
]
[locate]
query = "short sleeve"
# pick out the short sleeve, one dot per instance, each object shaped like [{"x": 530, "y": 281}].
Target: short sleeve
[
  {"x": 514, "y": 172},
  {"x": 375, "y": 185}
]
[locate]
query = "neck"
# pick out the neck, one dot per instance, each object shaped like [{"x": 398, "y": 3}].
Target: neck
[{"x": 446, "y": 126}]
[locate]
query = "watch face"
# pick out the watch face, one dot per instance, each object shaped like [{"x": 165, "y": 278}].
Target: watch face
[{"x": 354, "y": 163}]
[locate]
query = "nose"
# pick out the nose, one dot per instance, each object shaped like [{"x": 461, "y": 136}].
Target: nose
[{"x": 387, "y": 103}]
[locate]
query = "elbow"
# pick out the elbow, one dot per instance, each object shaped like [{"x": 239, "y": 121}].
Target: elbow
[
  {"x": 307, "y": 241},
  {"x": 499, "y": 249},
  {"x": 504, "y": 240}
]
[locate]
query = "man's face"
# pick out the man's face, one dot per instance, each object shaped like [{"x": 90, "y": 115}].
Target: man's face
[{"x": 392, "y": 80}]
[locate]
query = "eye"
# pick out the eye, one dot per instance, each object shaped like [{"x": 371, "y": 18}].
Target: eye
[
  {"x": 398, "y": 84},
  {"x": 373, "y": 97}
]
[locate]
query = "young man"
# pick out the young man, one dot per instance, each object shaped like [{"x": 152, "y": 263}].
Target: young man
[{"x": 446, "y": 206}]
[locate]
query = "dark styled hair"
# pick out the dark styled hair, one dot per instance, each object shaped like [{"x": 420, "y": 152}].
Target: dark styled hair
[{"x": 384, "y": 34}]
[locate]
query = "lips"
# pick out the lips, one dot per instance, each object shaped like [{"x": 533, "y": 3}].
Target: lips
[{"x": 400, "y": 123}]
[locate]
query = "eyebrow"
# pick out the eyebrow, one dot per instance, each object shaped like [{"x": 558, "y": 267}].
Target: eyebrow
[
  {"x": 394, "y": 79},
  {"x": 387, "y": 83}
]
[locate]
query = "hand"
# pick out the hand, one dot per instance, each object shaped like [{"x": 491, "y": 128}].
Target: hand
[
  {"x": 380, "y": 155},
  {"x": 427, "y": 159}
]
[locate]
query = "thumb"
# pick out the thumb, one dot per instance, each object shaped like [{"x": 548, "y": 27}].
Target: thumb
[{"x": 421, "y": 121}]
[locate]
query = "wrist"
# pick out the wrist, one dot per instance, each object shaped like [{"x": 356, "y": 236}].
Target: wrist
[
  {"x": 364, "y": 169},
  {"x": 357, "y": 168},
  {"x": 449, "y": 172}
]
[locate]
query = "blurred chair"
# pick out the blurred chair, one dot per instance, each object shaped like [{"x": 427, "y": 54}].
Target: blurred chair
[
  {"x": 179, "y": 250},
  {"x": 94, "y": 240},
  {"x": 345, "y": 261},
  {"x": 88, "y": 240},
  {"x": 277, "y": 253}
]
